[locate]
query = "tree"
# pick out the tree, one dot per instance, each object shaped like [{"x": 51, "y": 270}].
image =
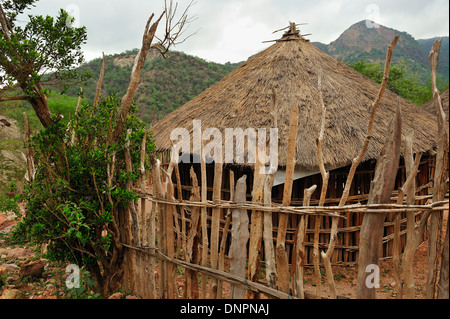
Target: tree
[
  {"x": 81, "y": 199},
  {"x": 401, "y": 80},
  {"x": 38, "y": 56}
]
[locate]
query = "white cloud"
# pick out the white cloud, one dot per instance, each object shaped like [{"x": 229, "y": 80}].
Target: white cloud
[{"x": 233, "y": 30}]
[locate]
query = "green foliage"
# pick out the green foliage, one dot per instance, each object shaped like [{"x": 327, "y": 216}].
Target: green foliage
[
  {"x": 71, "y": 203},
  {"x": 401, "y": 80},
  {"x": 41, "y": 54}
]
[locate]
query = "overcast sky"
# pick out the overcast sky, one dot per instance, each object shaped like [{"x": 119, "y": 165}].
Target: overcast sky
[{"x": 233, "y": 30}]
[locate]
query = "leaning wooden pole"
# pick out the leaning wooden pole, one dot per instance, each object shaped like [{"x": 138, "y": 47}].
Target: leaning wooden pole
[
  {"x": 269, "y": 249},
  {"x": 300, "y": 245},
  {"x": 280, "y": 251},
  {"x": 256, "y": 227},
  {"x": 204, "y": 221},
  {"x": 239, "y": 238},
  {"x": 440, "y": 177},
  {"x": 372, "y": 227},
  {"x": 215, "y": 226},
  {"x": 318, "y": 219},
  {"x": 357, "y": 160}
]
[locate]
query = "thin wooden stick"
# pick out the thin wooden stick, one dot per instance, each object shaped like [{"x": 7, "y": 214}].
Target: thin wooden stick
[
  {"x": 100, "y": 81},
  {"x": 281, "y": 256},
  {"x": 215, "y": 226},
  {"x": 329, "y": 211},
  {"x": 271, "y": 271},
  {"x": 300, "y": 245},
  {"x": 30, "y": 161},
  {"x": 412, "y": 241},
  {"x": 169, "y": 241},
  {"x": 158, "y": 211},
  {"x": 223, "y": 242},
  {"x": 204, "y": 217},
  {"x": 325, "y": 176},
  {"x": 235, "y": 280},
  {"x": 195, "y": 217}
]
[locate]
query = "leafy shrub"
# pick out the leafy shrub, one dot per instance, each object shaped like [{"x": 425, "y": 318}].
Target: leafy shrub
[{"x": 81, "y": 187}]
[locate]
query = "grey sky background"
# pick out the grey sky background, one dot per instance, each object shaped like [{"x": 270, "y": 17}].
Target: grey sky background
[{"x": 233, "y": 30}]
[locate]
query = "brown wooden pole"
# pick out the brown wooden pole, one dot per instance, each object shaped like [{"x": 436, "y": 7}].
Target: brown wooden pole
[
  {"x": 280, "y": 252},
  {"x": 239, "y": 238},
  {"x": 372, "y": 227}
]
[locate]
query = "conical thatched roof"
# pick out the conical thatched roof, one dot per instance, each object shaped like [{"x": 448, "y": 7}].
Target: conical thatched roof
[
  {"x": 291, "y": 67},
  {"x": 430, "y": 106}
]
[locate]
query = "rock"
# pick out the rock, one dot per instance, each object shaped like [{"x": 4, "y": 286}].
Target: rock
[
  {"x": 9, "y": 280},
  {"x": 2, "y": 270},
  {"x": 18, "y": 253},
  {"x": 33, "y": 270},
  {"x": 11, "y": 294},
  {"x": 12, "y": 267},
  {"x": 5, "y": 122},
  {"x": 50, "y": 287},
  {"x": 7, "y": 230},
  {"x": 117, "y": 295}
]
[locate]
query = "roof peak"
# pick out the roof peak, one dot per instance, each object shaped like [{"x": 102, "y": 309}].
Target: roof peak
[{"x": 292, "y": 33}]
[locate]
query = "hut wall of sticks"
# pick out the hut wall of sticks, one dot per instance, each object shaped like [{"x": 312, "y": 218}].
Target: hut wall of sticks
[{"x": 346, "y": 250}]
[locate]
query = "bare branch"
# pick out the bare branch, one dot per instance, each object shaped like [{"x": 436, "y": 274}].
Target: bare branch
[
  {"x": 174, "y": 31},
  {"x": 375, "y": 105},
  {"x": 12, "y": 98},
  {"x": 100, "y": 81}
]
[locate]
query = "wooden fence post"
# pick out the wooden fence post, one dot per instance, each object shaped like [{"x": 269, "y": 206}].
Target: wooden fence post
[
  {"x": 281, "y": 256},
  {"x": 239, "y": 238},
  {"x": 373, "y": 223},
  {"x": 215, "y": 226},
  {"x": 440, "y": 177}
]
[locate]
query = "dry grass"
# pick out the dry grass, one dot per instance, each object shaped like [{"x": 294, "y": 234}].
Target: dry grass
[{"x": 291, "y": 69}]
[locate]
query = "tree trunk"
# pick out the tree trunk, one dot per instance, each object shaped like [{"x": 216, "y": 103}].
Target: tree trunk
[
  {"x": 373, "y": 223},
  {"x": 42, "y": 110}
]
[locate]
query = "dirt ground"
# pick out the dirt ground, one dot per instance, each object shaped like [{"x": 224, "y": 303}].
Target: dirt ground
[{"x": 52, "y": 285}]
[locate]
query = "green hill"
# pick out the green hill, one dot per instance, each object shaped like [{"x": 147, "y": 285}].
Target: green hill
[{"x": 165, "y": 84}]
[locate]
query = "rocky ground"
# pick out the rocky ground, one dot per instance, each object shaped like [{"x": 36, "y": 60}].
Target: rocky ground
[{"x": 26, "y": 274}]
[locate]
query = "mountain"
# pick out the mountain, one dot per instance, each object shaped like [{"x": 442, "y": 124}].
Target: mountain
[
  {"x": 165, "y": 84},
  {"x": 426, "y": 45},
  {"x": 360, "y": 42}
]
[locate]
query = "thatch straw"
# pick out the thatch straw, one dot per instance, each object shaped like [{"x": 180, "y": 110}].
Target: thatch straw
[
  {"x": 291, "y": 68},
  {"x": 430, "y": 106}
]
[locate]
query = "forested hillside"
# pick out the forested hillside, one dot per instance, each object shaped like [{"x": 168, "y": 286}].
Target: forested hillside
[{"x": 166, "y": 83}]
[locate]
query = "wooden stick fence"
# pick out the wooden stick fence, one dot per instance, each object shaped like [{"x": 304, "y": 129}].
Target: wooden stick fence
[{"x": 179, "y": 223}]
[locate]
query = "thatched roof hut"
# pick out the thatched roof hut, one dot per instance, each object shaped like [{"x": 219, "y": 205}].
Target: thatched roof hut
[
  {"x": 430, "y": 106},
  {"x": 290, "y": 68}
]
